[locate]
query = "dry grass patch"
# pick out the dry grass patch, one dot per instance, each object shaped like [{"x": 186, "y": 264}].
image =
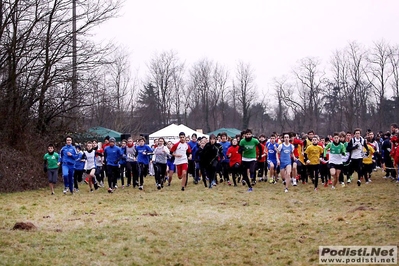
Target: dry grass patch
[{"x": 220, "y": 226}]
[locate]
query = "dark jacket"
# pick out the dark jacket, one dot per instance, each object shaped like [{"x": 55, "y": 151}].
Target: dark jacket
[{"x": 211, "y": 154}]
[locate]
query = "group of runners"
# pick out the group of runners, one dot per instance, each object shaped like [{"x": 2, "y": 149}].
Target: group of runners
[{"x": 288, "y": 157}]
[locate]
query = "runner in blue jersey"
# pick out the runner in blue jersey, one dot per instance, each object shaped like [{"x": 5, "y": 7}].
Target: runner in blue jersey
[
  {"x": 67, "y": 157},
  {"x": 286, "y": 152},
  {"x": 271, "y": 147}
]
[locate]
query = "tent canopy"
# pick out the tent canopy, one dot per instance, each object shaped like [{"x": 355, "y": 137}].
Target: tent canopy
[
  {"x": 102, "y": 132},
  {"x": 231, "y": 132},
  {"x": 171, "y": 133}
]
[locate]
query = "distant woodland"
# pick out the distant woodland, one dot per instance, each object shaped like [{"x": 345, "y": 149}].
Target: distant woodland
[{"x": 55, "y": 80}]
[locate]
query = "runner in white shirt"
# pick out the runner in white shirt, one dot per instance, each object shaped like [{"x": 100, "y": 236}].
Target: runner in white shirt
[{"x": 181, "y": 151}]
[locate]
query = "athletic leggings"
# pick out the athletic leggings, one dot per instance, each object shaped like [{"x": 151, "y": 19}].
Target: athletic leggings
[
  {"x": 160, "y": 170},
  {"x": 356, "y": 165},
  {"x": 112, "y": 175},
  {"x": 245, "y": 166},
  {"x": 235, "y": 171},
  {"x": 314, "y": 173},
  {"x": 100, "y": 173},
  {"x": 77, "y": 177},
  {"x": 131, "y": 169},
  {"x": 301, "y": 169},
  {"x": 344, "y": 171},
  {"x": 191, "y": 168},
  {"x": 225, "y": 170},
  {"x": 325, "y": 173},
  {"x": 122, "y": 168},
  {"x": 203, "y": 174},
  {"x": 262, "y": 169},
  {"x": 390, "y": 171},
  {"x": 211, "y": 174},
  {"x": 143, "y": 171},
  {"x": 367, "y": 170}
]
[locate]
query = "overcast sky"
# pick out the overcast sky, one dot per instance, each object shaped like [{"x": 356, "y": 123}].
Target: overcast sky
[{"x": 271, "y": 35}]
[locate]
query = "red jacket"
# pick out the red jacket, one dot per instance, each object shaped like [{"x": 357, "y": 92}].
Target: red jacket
[
  {"x": 235, "y": 156},
  {"x": 264, "y": 153},
  {"x": 395, "y": 152},
  {"x": 296, "y": 142}
]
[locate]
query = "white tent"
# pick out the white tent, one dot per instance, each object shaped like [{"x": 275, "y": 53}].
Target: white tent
[{"x": 171, "y": 133}]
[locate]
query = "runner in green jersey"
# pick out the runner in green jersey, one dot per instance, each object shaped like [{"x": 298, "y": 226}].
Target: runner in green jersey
[
  {"x": 248, "y": 147},
  {"x": 336, "y": 149},
  {"x": 51, "y": 166}
]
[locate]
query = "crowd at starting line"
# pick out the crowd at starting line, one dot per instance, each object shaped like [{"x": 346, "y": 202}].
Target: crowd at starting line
[{"x": 243, "y": 159}]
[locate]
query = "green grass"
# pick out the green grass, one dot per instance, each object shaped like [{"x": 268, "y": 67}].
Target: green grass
[{"x": 220, "y": 226}]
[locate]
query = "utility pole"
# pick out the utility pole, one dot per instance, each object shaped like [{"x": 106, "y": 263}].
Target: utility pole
[
  {"x": 74, "y": 55},
  {"x": 74, "y": 63}
]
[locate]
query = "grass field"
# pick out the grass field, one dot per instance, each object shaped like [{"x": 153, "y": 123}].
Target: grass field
[{"x": 220, "y": 226}]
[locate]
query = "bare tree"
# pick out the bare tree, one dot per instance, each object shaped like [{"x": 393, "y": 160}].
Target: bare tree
[
  {"x": 118, "y": 83},
  {"x": 35, "y": 57},
  {"x": 219, "y": 95},
  {"x": 162, "y": 70},
  {"x": 310, "y": 79},
  {"x": 186, "y": 96},
  {"x": 200, "y": 85},
  {"x": 394, "y": 60},
  {"x": 284, "y": 98},
  {"x": 356, "y": 90},
  {"x": 245, "y": 89},
  {"x": 178, "y": 94},
  {"x": 100, "y": 104},
  {"x": 336, "y": 96},
  {"x": 378, "y": 73}
]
